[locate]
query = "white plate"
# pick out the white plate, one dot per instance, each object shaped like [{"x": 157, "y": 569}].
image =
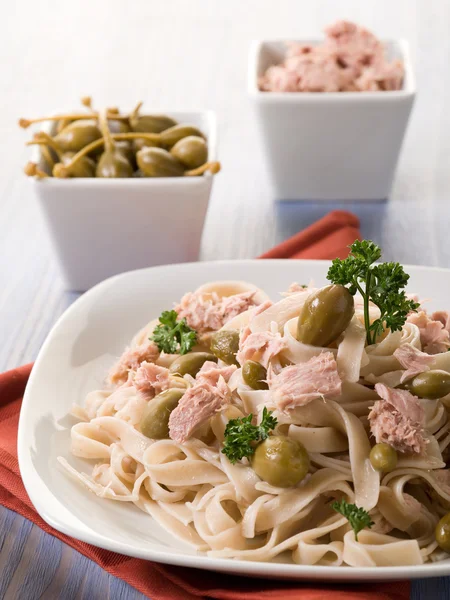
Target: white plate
[{"x": 74, "y": 360}]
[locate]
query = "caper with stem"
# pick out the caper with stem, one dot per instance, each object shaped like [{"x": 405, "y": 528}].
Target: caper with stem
[
  {"x": 112, "y": 163},
  {"x": 192, "y": 151},
  {"x": 149, "y": 123},
  {"x": 83, "y": 168}
]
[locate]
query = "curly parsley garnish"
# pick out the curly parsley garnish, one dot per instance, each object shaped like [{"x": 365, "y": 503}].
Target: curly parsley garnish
[
  {"x": 357, "y": 517},
  {"x": 172, "y": 336},
  {"x": 381, "y": 284},
  {"x": 241, "y": 435}
]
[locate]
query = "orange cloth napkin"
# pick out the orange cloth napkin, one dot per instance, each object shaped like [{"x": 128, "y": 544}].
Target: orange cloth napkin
[{"x": 160, "y": 582}]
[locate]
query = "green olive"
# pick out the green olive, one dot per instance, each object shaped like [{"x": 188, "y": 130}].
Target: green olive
[
  {"x": 431, "y": 384},
  {"x": 442, "y": 533},
  {"x": 151, "y": 123},
  {"x": 225, "y": 345},
  {"x": 171, "y": 136},
  {"x": 156, "y": 162},
  {"x": 255, "y": 375},
  {"x": 84, "y": 167},
  {"x": 77, "y": 135},
  {"x": 113, "y": 164},
  {"x": 190, "y": 363},
  {"x": 383, "y": 458},
  {"x": 192, "y": 151},
  {"x": 325, "y": 315},
  {"x": 155, "y": 420},
  {"x": 281, "y": 461}
]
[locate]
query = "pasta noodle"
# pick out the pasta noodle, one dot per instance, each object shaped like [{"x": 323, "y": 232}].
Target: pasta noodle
[{"x": 193, "y": 490}]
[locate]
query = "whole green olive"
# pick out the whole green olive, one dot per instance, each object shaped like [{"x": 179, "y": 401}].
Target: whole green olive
[
  {"x": 156, "y": 162},
  {"x": 155, "y": 420},
  {"x": 442, "y": 533},
  {"x": 255, "y": 375},
  {"x": 151, "y": 123},
  {"x": 174, "y": 134},
  {"x": 431, "y": 384},
  {"x": 192, "y": 151},
  {"x": 84, "y": 167},
  {"x": 281, "y": 461},
  {"x": 383, "y": 457},
  {"x": 77, "y": 135},
  {"x": 190, "y": 363},
  {"x": 325, "y": 315},
  {"x": 225, "y": 345},
  {"x": 118, "y": 126},
  {"x": 113, "y": 164}
]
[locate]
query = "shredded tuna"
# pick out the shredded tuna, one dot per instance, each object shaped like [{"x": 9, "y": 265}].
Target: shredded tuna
[
  {"x": 298, "y": 385},
  {"x": 246, "y": 331},
  {"x": 211, "y": 373},
  {"x": 350, "y": 59},
  {"x": 434, "y": 337},
  {"x": 261, "y": 347},
  {"x": 397, "y": 420},
  {"x": 413, "y": 360},
  {"x": 151, "y": 379},
  {"x": 197, "y": 406},
  {"x": 131, "y": 360},
  {"x": 210, "y": 313},
  {"x": 443, "y": 317}
]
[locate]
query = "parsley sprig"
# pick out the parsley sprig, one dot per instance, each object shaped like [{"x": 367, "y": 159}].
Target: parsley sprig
[
  {"x": 241, "y": 435},
  {"x": 357, "y": 517},
  {"x": 172, "y": 336},
  {"x": 381, "y": 284}
]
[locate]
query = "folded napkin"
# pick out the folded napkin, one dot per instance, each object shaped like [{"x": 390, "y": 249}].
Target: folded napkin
[{"x": 329, "y": 238}]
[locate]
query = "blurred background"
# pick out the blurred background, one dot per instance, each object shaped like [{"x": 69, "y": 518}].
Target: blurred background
[{"x": 188, "y": 55}]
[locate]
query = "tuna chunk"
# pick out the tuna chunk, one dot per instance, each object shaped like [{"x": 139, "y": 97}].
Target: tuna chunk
[
  {"x": 261, "y": 347},
  {"x": 197, "y": 406},
  {"x": 434, "y": 337},
  {"x": 210, "y": 373},
  {"x": 151, "y": 379},
  {"x": 397, "y": 420},
  {"x": 298, "y": 385},
  {"x": 413, "y": 360},
  {"x": 443, "y": 317},
  {"x": 131, "y": 360},
  {"x": 350, "y": 59},
  {"x": 205, "y": 314}
]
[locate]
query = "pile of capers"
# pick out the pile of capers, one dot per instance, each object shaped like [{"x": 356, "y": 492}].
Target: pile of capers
[{"x": 108, "y": 144}]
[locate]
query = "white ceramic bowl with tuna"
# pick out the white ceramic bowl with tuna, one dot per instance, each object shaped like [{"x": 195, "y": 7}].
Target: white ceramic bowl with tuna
[
  {"x": 102, "y": 227},
  {"x": 335, "y": 145}
]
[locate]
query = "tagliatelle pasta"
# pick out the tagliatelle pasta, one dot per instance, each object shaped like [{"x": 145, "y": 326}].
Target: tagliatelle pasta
[{"x": 349, "y": 397}]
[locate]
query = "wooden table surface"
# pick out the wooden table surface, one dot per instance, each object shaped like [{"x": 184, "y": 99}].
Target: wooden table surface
[{"x": 188, "y": 55}]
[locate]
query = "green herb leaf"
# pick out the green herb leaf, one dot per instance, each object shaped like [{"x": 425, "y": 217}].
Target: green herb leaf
[
  {"x": 172, "y": 336},
  {"x": 381, "y": 284},
  {"x": 357, "y": 517},
  {"x": 241, "y": 435}
]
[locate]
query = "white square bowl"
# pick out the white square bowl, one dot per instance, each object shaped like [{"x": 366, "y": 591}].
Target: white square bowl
[
  {"x": 102, "y": 227},
  {"x": 330, "y": 146}
]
